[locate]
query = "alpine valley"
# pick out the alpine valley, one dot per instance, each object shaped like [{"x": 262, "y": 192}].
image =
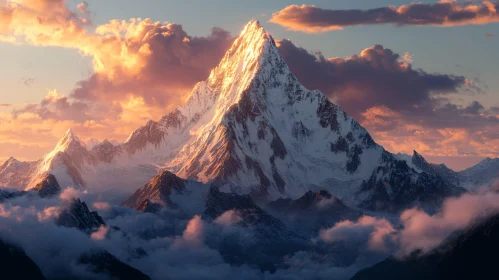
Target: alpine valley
[{"x": 247, "y": 179}]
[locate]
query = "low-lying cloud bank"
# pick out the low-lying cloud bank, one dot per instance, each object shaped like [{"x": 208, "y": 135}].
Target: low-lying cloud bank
[
  {"x": 309, "y": 18},
  {"x": 415, "y": 230},
  {"x": 189, "y": 247}
]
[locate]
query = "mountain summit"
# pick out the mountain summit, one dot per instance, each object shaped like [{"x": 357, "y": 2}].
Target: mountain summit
[
  {"x": 250, "y": 128},
  {"x": 253, "y": 128}
]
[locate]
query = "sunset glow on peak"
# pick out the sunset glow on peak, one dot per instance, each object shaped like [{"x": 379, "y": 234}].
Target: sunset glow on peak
[{"x": 162, "y": 139}]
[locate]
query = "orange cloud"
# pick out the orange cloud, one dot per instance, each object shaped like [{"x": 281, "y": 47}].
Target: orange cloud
[
  {"x": 142, "y": 69},
  {"x": 308, "y": 18}
]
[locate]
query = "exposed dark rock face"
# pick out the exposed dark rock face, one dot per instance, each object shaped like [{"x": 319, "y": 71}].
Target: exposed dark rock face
[
  {"x": 441, "y": 170},
  {"x": 15, "y": 264},
  {"x": 151, "y": 133},
  {"x": 9, "y": 194},
  {"x": 48, "y": 186},
  {"x": 395, "y": 186},
  {"x": 173, "y": 120},
  {"x": 313, "y": 211},
  {"x": 484, "y": 173},
  {"x": 353, "y": 161},
  {"x": 272, "y": 240},
  {"x": 99, "y": 261},
  {"x": 148, "y": 206},
  {"x": 218, "y": 202},
  {"x": 79, "y": 216},
  {"x": 341, "y": 145},
  {"x": 300, "y": 131},
  {"x": 327, "y": 112},
  {"x": 157, "y": 190},
  {"x": 106, "y": 151},
  {"x": 470, "y": 255},
  {"x": 102, "y": 262}
]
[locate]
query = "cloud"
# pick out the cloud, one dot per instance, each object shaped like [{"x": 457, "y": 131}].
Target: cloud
[
  {"x": 5, "y": 105},
  {"x": 187, "y": 247},
  {"x": 194, "y": 233},
  {"x": 141, "y": 70},
  {"x": 371, "y": 232},
  {"x": 490, "y": 35},
  {"x": 415, "y": 230},
  {"x": 59, "y": 107},
  {"x": 308, "y": 18},
  {"x": 402, "y": 107},
  {"x": 228, "y": 218},
  {"x": 425, "y": 232},
  {"x": 100, "y": 234},
  {"x": 407, "y": 58},
  {"x": 375, "y": 77},
  {"x": 102, "y": 206},
  {"x": 40, "y": 22},
  {"x": 159, "y": 55},
  {"x": 68, "y": 194}
]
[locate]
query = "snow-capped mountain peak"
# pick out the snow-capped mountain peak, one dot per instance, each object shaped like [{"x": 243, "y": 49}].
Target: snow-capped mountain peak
[
  {"x": 249, "y": 128},
  {"x": 68, "y": 142},
  {"x": 64, "y": 161},
  {"x": 11, "y": 162},
  {"x": 253, "y": 127}
]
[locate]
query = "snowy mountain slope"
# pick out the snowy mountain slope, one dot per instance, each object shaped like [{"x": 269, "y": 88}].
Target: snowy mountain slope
[
  {"x": 312, "y": 212},
  {"x": 255, "y": 129},
  {"x": 168, "y": 190},
  {"x": 394, "y": 186},
  {"x": 419, "y": 163},
  {"x": 17, "y": 174},
  {"x": 250, "y": 128},
  {"x": 484, "y": 173}
]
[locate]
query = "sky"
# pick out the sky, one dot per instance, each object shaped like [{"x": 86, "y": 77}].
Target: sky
[{"x": 417, "y": 76}]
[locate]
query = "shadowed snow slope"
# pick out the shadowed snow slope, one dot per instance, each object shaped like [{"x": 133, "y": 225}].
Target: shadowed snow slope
[{"x": 250, "y": 128}]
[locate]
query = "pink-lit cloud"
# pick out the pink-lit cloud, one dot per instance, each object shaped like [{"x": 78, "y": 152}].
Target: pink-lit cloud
[
  {"x": 100, "y": 234},
  {"x": 404, "y": 108},
  {"x": 195, "y": 231},
  {"x": 424, "y": 232},
  {"x": 228, "y": 218},
  {"x": 375, "y": 233},
  {"x": 415, "y": 230},
  {"x": 308, "y": 18},
  {"x": 141, "y": 70}
]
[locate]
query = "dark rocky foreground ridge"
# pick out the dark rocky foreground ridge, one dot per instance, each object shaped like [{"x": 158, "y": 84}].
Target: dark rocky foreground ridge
[
  {"x": 15, "y": 264},
  {"x": 471, "y": 254}
]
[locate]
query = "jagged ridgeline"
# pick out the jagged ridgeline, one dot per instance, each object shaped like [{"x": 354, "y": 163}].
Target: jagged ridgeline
[{"x": 250, "y": 128}]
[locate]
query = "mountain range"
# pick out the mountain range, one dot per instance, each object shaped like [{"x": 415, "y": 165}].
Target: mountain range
[
  {"x": 252, "y": 128},
  {"x": 469, "y": 254},
  {"x": 252, "y": 140}
]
